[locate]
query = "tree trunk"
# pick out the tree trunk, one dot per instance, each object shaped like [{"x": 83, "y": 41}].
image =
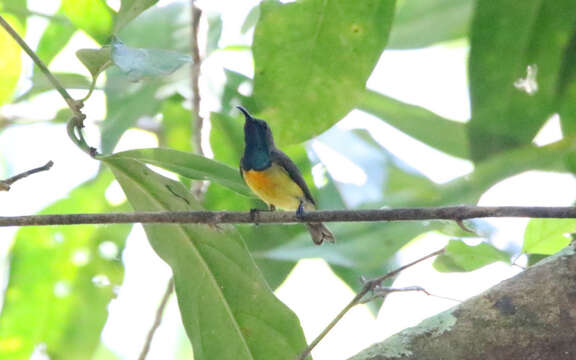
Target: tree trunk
[{"x": 531, "y": 316}]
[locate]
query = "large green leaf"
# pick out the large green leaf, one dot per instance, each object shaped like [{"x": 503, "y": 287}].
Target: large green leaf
[
  {"x": 459, "y": 257},
  {"x": 92, "y": 16},
  {"x": 312, "y": 59},
  {"x": 62, "y": 279},
  {"x": 547, "y": 236},
  {"x": 10, "y": 61},
  {"x": 426, "y": 22},
  {"x": 443, "y": 134},
  {"x": 189, "y": 165},
  {"x": 227, "y": 309},
  {"x": 508, "y": 36}
]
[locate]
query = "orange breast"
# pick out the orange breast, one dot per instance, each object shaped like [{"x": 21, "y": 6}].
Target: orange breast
[{"x": 275, "y": 187}]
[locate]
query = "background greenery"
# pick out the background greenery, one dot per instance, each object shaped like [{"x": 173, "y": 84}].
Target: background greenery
[{"x": 312, "y": 60}]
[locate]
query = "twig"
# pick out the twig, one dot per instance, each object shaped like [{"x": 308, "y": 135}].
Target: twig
[
  {"x": 196, "y": 14},
  {"x": 283, "y": 217},
  {"x": 76, "y": 123},
  {"x": 369, "y": 285},
  {"x": 198, "y": 123},
  {"x": 157, "y": 319},
  {"x": 5, "y": 184}
]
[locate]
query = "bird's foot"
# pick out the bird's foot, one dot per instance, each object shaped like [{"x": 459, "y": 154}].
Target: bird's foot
[{"x": 300, "y": 210}]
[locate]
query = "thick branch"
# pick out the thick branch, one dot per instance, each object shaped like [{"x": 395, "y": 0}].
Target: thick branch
[
  {"x": 531, "y": 316},
  {"x": 455, "y": 213}
]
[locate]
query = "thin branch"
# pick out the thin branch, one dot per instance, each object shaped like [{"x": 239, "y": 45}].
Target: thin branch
[
  {"x": 369, "y": 285},
  {"x": 5, "y": 184},
  {"x": 157, "y": 319},
  {"x": 453, "y": 213}
]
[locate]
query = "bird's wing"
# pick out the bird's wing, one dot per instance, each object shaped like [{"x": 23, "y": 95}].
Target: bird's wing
[{"x": 283, "y": 160}]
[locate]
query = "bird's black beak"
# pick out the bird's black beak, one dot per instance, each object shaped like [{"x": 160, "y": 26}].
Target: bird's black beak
[{"x": 246, "y": 113}]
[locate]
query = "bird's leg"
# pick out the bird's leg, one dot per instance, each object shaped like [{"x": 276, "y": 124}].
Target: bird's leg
[
  {"x": 300, "y": 210},
  {"x": 254, "y": 213}
]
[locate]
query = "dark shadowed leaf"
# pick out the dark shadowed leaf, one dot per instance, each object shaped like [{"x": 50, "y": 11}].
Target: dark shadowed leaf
[{"x": 505, "y": 114}]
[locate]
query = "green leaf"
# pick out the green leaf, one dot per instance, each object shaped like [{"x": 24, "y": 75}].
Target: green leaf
[
  {"x": 433, "y": 130},
  {"x": 459, "y": 257},
  {"x": 95, "y": 60},
  {"x": 41, "y": 84},
  {"x": 502, "y": 47},
  {"x": 62, "y": 279},
  {"x": 227, "y": 309},
  {"x": 18, "y": 8},
  {"x": 312, "y": 59},
  {"x": 547, "y": 236},
  {"x": 92, "y": 16},
  {"x": 10, "y": 61},
  {"x": 138, "y": 63},
  {"x": 54, "y": 38},
  {"x": 214, "y": 34},
  {"x": 567, "y": 90},
  {"x": 250, "y": 20},
  {"x": 177, "y": 125},
  {"x": 189, "y": 165},
  {"x": 126, "y": 101},
  {"x": 424, "y": 23},
  {"x": 130, "y": 9}
]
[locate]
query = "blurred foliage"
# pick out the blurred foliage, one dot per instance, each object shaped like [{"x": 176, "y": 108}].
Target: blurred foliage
[
  {"x": 62, "y": 279},
  {"x": 312, "y": 59}
]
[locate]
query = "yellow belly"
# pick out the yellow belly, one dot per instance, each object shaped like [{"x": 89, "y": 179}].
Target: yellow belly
[{"x": 275, "y": 187}]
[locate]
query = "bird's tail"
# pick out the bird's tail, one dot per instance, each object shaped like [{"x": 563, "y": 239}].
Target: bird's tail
[{"x": 320, "y": 233}]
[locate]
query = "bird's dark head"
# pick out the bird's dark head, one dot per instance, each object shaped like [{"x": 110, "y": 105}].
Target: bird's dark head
[{"x": 259, "y": 142}]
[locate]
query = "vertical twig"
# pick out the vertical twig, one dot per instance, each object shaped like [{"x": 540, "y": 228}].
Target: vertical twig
[
  {"x": 196, "y": 14},
  {"x": 157, "y": 319}
]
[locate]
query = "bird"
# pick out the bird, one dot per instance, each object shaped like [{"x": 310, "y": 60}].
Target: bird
[{"x": 274, "y": 177}]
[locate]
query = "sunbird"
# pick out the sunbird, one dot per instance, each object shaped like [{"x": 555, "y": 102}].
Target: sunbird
[{"x": 274, "y": 178}]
